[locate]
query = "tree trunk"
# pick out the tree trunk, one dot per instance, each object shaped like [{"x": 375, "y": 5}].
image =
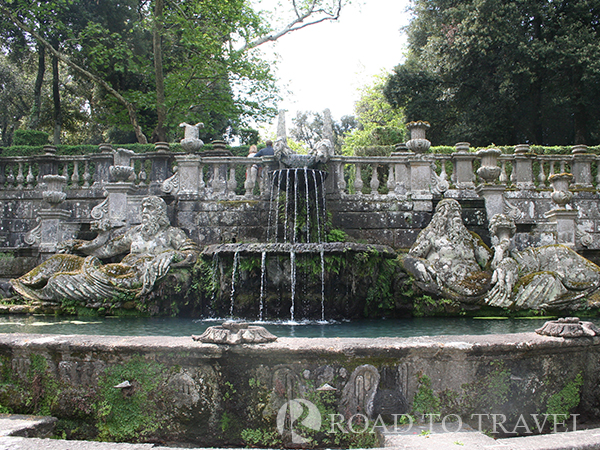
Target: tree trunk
[
  {"x": 159, "y": 134},
  {"x": 57, "y": 115},
  {"x": 130, "y": 108},
  {"x": 34, "y": 119}
]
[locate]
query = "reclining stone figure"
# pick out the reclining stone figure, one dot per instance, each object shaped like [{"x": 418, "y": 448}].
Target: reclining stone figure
[
  {"x": 551, "y": 276},
  {"x": 151, "y": 247},
  {"x": 447, "y": 259}
]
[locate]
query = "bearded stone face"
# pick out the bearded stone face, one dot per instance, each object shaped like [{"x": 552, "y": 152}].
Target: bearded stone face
[{"x": 154, "y": 216}]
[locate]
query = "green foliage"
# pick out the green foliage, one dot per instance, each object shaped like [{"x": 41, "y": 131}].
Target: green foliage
[
  {"x": 379, "y": 124},
  {"x": 562, "y": 403},
  {"x": 336, "y": 235},
  {"x": 30, "y": 137},
  {"x": 123, "y": 417},
  {"x": 425, "y": 401},
  {"x": 261, "y": 438},
  {"x": 490, "y": 71}
]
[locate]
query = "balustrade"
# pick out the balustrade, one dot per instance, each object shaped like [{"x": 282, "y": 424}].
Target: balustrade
[{"x": 396, "y": 176}]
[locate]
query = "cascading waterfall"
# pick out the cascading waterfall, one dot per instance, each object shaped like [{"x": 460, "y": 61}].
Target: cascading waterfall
[
  {"x": 263, "y": 272},
  {"x": 236, "y": 262},
  {"x": 297, "y": 203}
]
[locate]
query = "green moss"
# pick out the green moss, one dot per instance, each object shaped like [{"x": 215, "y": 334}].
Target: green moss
[
  {"x": 562, "y": 403},
  {"x": 134, "y": 415},
  {"x": 425, "y": 401}
]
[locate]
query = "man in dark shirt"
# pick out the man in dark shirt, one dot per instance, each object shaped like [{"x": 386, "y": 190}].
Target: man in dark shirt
[{"x": 267, "y": 151}]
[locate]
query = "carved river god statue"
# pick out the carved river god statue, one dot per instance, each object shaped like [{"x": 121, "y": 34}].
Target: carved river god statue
[{"x": 151, "y": 248}]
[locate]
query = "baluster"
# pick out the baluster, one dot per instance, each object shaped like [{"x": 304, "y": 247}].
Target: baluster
[
  {"x": 75, "y": 176},
  {"x": 20, "y": 177},
  {"x": 250, "y": 182},
  {"x": 341, "y": 178},
  {"x": 513, "y": 174},
  {"x": 10, "y": 178},
  {"x": 232, "y": 182},
  {"x": 551, "y": 169},
  {"x": 30, "y": 180},
  {"x": 542, "y": 175},
  {"x": 443, "y": 174},
  {"x": 65, "y": 171},
  {"x": 142, "y": 175},
  {"x": 2, "y": 175},
  {"x": 358, "y": 182},
  {"x": 562, "y": 166},
  {"x": 391, "y": 181},
  {"x": 86, "y": 175},
  {"x": 598, "y": 174},
  {"x": 201, "y": 183},
  {"x": 374, "y": 180}
]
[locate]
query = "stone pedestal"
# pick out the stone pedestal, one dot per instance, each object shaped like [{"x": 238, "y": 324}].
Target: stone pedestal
[
  {"x": 494, "y": 198},
  {"x": 51, "y": 231},
  {"x": 189, "y": 170},
  {"x": 566, "y": 225},
  {"x": 523, "y": 167},
  {"x": 420, "y": 176},
  {"x": 463, "y": 175},
  {"x": 117, "y": 201},
  {"x": 581, "y": 167}
]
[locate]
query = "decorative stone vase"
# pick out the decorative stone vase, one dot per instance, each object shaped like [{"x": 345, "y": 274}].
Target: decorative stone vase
[
  {"x": 522, "y": 149},
  {"x": 122, "y": 170},
  {"x": 489, "y": 170},
  {"x": 54, "y": 194},
  {"x": 191, "y": 145},
  {"x": 105, "y": 148},
  {"x": 560, "y": 183},
  {"x": 121, "y": 173},
  {"x": 49, "y": 149},
  {"x": 418, "y": 143}
]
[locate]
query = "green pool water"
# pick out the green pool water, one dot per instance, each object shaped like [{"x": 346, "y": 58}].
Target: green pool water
[{"x": 186, "y": 327}]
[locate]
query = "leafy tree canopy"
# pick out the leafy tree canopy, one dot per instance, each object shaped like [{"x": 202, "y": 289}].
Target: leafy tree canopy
[{"x": 503, "y": 72}]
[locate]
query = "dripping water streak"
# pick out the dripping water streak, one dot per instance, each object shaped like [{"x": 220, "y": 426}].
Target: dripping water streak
[
  {"x": 287, "y": 198},
  {"x": 293, "y": 281},
  {"x": 322, "y": 252},
  {"x": 214, "y": 281},
  {"x": 271, "y": 212},
  {"x": 314, "y": 176},
  {"x": 236, "y": 260},
  {"x": 323, "y": 210},
  {"x": 307, "y": 205},
  {"x": 295, "y": 205},
  {"x": 277, "y": 207},
  {"x": 263, "y": 266}
]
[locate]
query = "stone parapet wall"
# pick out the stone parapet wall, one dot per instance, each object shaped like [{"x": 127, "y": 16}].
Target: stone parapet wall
[{"x": 208, "y": 394}]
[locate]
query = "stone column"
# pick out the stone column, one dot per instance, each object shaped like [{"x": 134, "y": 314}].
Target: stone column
[
  {"x": 102, "y": 162},
  {"x": 489, "y": 172},
  {"x": 50, "y": 231},
  {"x": 523, "y": 167},
  {"x": 463, "y": 175},
  {"x": 161, "y": 164},
  {"x": 189, "y": 177},
  {"x": 402, "y": 170},
  {"x": 582, "y": 166},
  {"x": 564, "y": 219}
]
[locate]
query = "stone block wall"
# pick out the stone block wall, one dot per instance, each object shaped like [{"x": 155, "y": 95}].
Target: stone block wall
[{"x": 207, "y": 394}]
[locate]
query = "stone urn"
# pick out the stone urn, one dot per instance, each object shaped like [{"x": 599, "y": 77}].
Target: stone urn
[
  {"x": 489, "y": 170},
  {"x": 121, "y": 171},
  {"x": 560, "y": 183},
  {"x": 191, "y": 141},
  {"x": 54, "y": 194},
  {"x": 418, "y": 143}
]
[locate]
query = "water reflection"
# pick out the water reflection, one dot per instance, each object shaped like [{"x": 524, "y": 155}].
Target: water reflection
[{"x": 169, "y": 326}]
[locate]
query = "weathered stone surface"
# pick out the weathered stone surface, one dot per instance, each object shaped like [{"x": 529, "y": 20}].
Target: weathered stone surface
[
  {"x": 152, "y": 247},
  {"x": 569, "y": 327},
  {"x": 234, "y": 333},
  {"x": 447, "y": 260}
]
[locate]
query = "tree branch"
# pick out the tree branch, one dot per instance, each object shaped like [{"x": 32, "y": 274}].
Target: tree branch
[{"x": 297, "y": 24}]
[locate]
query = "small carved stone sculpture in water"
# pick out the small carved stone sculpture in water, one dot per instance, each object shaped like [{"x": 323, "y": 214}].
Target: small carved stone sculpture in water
[
  {"x": 448, "y": 260},
  {"x": 151, "y": 247},
  {"x": 551, "y": 276}
]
